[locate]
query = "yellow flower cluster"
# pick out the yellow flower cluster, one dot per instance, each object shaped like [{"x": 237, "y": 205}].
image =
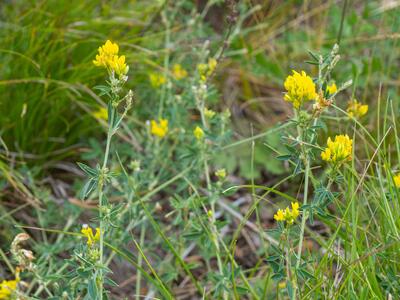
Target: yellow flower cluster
[
  {"x": 396, "y": 180},
  {"x": 288, "y": 215},
  {"x": 300, "y": 88},
  {"x": 160, "y": 128},
  {"x": 339, "y": 150},
  {"x": 356, "y": 109},
  {"x": 118, "y": 65},
  {"x": 88, "y": 233},
  {"x": 109, "y": 59},
  {"x": 198, "y": 133},
  {"x": 331, "y": 89},
  {"x": 179, "y": 72},
  {"x": 157, "y": 80},
  {"x": 205, "y": 70},
  {"x": 8, "y": 287}
]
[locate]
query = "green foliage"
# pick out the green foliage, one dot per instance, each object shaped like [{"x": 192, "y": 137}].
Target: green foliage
[{"x": 172, "y": 227}]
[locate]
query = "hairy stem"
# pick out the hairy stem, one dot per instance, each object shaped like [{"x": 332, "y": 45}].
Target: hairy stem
[
  {"x": 214, "y": 230},
  {"x": 101, "y": 204},
  {"x": 304, "y": 216}
]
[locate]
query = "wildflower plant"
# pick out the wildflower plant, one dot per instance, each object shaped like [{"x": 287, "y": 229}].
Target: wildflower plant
[
  {"x": 99, "y": 177},
  {"x": 154, "y": 212},
  {"x": 145, "y": 172},
  {"x": 302, "y": 89}
]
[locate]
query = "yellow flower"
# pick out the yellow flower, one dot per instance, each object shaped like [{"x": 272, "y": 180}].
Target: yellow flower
[
  {"x": 339, "y": 150},
  {"x": 159, "y": 129},
  {"x": 326, "y": 155},
  {"x": 109, "y": 59},
  {"x": 295, "y": 209},
  {"x": 279, "y": 216},
  {"x": 179, "y": 72},
  {"x": 209, "y": 113},
  {"x": 396, "y": 180},
  {"x": 288, "y": 215},
  {"x": 157, "y": 80},
  {"x": 101, "y": 113},
  {"x": 106, "y": 52},
  {"x": 202, "y": 69},
  {"x": 88, "y": 233},
  {"x": 198, "y": 133},
  {"x": 300, "y": 88},
  {"x": 332, "y": 88},
  {"x": 7, "y": 287},
  {"x": 356, "y": 109},
  {"x": 206, "y": 70},
  {"x": 212, "y": 64},
  {"x": 221, "y": 173},
  {"x": 117, "y": 63},
  {"x": 282, "y": 285}
]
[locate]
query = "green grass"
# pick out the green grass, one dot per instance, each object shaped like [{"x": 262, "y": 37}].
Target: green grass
[{"x": 165, "y": 242}]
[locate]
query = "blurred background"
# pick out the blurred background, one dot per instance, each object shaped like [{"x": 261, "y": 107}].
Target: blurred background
[{"x": 47, "y": 49}]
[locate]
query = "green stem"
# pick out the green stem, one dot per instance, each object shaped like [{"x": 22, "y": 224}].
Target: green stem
[
  {"x": 290, "y": 272},
  {"x": 214, "y": 230},
  {"x": 140, "y": 259},
  {"x": 100, "y": 187},
  {"x": 166, "y": 66},
  {"x": 342, "y": 22},
  {"x": 304, "y": 216},
  {"x": 305, "y": 199}
]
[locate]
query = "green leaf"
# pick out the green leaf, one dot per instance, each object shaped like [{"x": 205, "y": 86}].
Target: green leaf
[
  {"x": 284, "y": 157},
  {"x": 313, "y": 55},
  {"x": 193, "y": 235},
  {"x": 88, "y": 170},
  {"x": 92, "y": 289},
  {"x": 117, "y": 122},
  {"x": 272, "y": 258},
  {"x": 110, "y": 282},
  {"x": 277, "y": 277},
  {"x": 231, "y": 191},
  {"x": 88, "y": 188},
  {"x": 242, "y": 290},
  {"x": 104, "y": 89},
  {"x": 311, "y": 62},
  {"x": 303, "y": 273}
]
